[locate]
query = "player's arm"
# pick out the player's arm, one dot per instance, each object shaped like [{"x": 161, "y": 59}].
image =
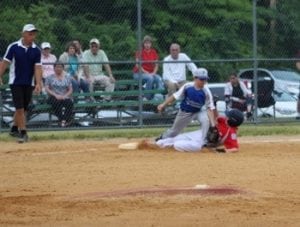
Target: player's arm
[
  {"x": 38, "y": 72},
  {"x": 177, "y": 95},
  {"x": 3, "y": 67},
  {"x": 222, "y": 149},
  {"x": 190, "y": 65},
  {"x": 109, "y": 72},
  {"x": 212, "y": 116},
  {"x": 166, "y": 71},
  {"x": 169, "y": 100},
  {"x": 211, "y": 112}
]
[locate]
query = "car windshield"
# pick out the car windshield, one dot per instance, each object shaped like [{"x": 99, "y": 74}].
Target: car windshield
[
  {"x": 217, "y": 91},
  {"x": 284, "y": 97},
  {"x": 286, "y": 75}
]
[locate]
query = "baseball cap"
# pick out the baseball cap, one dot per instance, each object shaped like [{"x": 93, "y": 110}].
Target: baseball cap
[
  {"x": 94, "y": 40},
  {"x": 45, "y": 45},
  {"x": 147, "y": 38},
  {"x": 201, "y": 73},
  {"x": 29, "y": 28}
]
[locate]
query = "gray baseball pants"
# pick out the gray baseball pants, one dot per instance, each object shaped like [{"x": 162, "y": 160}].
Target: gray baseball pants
[{"x": 183, "y": 119}]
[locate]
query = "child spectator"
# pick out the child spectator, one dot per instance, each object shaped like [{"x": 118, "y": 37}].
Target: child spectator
[{"x": 148, "y": 69}]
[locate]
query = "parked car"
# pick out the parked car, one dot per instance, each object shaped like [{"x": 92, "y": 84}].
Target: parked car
[
  {"x": 284, "y": 80},
  {"x": 285, "y": 106}
]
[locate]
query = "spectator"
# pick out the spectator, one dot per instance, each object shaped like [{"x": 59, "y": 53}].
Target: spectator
[
  {"x": 59, "y": 88},
  {"x": 93, "y": 72},
  {"x": 298, "y": 68},
  {"x": 78, "y": 46},
  {"x": 24, "y": 58},
  {"x": 148, "y": 69},
  {"x": 72, "y": 62},
  {"x": 174, "y": 70},
  {"x": 197, "y": 101},
  {"x": 79, "y": 53},
  {"x": 48, "y": 60},
  {"x": 238, "y": 96}
]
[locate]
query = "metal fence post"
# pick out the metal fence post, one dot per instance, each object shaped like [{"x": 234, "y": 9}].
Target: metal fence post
[
  {"x": 255, "y": 63},
  {"x": 139, "y": 38}
]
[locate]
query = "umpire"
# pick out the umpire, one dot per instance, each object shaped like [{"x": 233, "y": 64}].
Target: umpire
[
  {"x": 197, "y": 102},
  {"x": 24, "y": 58}
]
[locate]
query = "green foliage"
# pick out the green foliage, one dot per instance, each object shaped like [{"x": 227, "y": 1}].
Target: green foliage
[
  {"x": 39, "y": 14},
  {"x": 206, "y": 29}
]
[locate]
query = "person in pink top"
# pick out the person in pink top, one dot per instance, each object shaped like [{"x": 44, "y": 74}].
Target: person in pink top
[
  {"x": 148, "y": 69},
  {"x": 48, "y": 60}
]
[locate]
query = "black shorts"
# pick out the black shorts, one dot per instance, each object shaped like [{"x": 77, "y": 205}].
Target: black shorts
[{"x": 21, "y": 95}]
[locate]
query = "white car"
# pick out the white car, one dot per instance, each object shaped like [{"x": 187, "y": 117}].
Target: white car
[
  {"x": 285, "y": 106},
  {"x": 284, "y": 80}
]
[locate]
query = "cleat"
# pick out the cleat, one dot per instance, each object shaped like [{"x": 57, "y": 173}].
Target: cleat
[
  {"x": 23, "y": 138},
  {"x": 249, "y": 115},
  {"x": 14, "y": 133},
  {"x": 158, "y": 138}
]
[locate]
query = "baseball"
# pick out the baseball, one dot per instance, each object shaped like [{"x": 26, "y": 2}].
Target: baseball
[{"x": 201, "y": 186}]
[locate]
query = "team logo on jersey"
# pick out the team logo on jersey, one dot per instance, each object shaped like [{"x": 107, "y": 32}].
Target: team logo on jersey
[{"x": 233, "y": 136}]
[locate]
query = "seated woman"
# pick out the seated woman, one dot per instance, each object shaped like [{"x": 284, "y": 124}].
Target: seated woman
[
  {"x": 238, "y": 96},
  {"x": 59, "y": 88}
]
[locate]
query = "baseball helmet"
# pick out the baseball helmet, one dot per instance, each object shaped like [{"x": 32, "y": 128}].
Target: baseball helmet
[{"x": 235, "y": 117}]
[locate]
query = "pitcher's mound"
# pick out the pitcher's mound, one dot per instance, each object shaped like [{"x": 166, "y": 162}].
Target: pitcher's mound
[{"x": 204, "y": 190}]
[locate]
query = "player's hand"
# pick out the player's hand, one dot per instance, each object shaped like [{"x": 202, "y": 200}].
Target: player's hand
[
  {"x": 160, "y": 107},
  {"x": 112, "y": 79},
  {"x": 37, "y": 89},
  {"x": 89, "y": 79},
  {"x": 59, "y": 97}
]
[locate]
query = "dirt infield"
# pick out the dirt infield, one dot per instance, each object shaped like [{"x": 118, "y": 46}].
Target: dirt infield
[{"x": 92, "y": 183}]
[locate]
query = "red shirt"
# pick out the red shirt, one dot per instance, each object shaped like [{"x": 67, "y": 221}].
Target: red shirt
[
  {"x": 228, "y": 134},
  {"x": 147, "y": 55}
]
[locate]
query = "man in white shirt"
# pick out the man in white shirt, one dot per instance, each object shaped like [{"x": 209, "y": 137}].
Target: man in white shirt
[{"x": 174, "y": 69}]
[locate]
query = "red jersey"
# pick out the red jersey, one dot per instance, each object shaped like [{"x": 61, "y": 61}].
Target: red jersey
[
  {"x": 147, "y": 55},
  {"x": 228, "y": 134}
]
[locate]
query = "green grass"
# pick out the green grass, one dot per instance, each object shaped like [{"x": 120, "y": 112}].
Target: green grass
[{"x": 101, "y": 134}]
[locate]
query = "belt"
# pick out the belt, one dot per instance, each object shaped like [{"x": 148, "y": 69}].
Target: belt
[{"x": 188, "y": 111}]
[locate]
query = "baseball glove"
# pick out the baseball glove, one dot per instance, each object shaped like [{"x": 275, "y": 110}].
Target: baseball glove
[{"x": 213, "y": 136}]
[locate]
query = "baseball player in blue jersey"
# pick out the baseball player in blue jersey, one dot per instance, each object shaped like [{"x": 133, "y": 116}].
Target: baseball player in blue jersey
[
  {"x": 197, "y": 102},
  {"x": 25, "y": 75}
]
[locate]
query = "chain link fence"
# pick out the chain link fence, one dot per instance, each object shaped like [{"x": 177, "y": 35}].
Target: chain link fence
[{"x": 258, "y": 40}]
